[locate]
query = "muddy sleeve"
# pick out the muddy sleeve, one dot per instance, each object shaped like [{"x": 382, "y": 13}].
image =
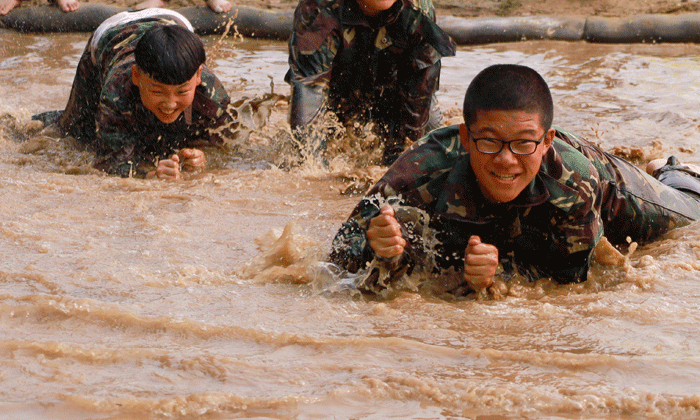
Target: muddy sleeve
[
  {"x": 419, "y": 83},
  {"x": 116, "y": 140},
  {"x": 421, "y": 77},
  {"x": 219, "y": 119},
  {"x": 312, "y": 49},
  {"x": 350, "y": 248}
]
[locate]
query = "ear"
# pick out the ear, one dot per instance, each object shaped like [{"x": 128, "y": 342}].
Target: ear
[
  {"x": 198, "y": 75},
  {"x": 548, "y": 139},
  {"x": 135, "y": 74},
  {"x": 464, "y": 136}
]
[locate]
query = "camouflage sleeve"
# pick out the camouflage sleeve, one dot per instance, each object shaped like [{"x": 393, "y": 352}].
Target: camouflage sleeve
[
  {"x": 410, "y": 181},
  {"x": 568, "y": 259},
  {"x": 578, "y": 194},
  {"x": 117, "y": 135},
  {"x": 420, "y": 78},
  {"x": 350, "y": 248},
  {"x": 312, "y": 47},
  {"x": 217, "y": 119},
  {"x": 418, "y": 87}
]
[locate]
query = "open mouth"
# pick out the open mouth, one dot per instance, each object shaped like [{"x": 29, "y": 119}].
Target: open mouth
[{"x": 504, "y": 177}]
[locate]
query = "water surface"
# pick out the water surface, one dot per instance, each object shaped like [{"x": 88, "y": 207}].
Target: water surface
[{"x": 133, "y": 299}]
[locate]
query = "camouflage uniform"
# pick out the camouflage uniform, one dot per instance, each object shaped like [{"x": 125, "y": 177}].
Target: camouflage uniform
[
  {"x": 364, "y": 69},
  {"x": 580, "y": 194},
  {"x": 105, "y": 109}
]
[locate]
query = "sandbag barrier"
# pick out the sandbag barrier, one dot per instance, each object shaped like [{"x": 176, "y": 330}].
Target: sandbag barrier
[{"x": 259, "y": 23}]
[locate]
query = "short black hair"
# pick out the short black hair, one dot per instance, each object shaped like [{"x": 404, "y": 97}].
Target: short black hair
[
  {"x": 509, "y": 87},
  {"x": 170, "y": 54}
]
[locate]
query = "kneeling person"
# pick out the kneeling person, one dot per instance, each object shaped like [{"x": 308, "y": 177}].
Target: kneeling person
[
  {"x": 142, "y": 96},
  {"x": 507, "y": 188}
]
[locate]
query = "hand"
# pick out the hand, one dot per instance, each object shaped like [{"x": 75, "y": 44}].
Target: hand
[
  {"x": 193, "y": 160},
  {"x": 167, "y": 169},
  {"x": 384, "y": 234},
  {"x": 480, "y": 263}
]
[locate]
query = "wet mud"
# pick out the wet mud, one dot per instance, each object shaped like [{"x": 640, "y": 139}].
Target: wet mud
[{"x": 210, "y": 298}]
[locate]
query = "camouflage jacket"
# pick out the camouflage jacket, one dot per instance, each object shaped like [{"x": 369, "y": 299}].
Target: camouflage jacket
[
  {"x": 580, "y": 194},
  {"x": 110, "y": 116},
  {"x": 383, "y": 70}
]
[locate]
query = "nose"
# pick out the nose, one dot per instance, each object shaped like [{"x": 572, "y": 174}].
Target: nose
[
  {"x": 170, "y": 101},
  {"x": 505, "y": 156}
]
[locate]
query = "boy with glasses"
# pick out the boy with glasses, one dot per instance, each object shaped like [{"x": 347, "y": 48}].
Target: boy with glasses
[{"x": 505, "y": 188}]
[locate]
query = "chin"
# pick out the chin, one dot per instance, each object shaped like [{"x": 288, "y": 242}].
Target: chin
[{"x": 167, "y": 119}]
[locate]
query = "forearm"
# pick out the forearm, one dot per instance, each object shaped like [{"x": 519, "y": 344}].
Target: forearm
[{"x": 416, "y": 96}]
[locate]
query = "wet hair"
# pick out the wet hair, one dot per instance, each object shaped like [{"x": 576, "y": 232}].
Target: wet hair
[
  {"x": 509, "y": 87},
  {"x": 170, "y": 54}
]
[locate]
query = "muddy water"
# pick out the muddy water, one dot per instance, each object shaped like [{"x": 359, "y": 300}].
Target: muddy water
[{"x": 130, "y": 299}]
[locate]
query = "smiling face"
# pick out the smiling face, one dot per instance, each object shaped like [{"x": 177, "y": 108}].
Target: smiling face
[
  {"x": 166, "y": 102},
  {"x": 504, "y": 175},
  {"x": 375, "y": 7}
]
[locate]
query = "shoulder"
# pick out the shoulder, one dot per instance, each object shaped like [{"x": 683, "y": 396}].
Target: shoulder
[
  {"x": 433, "y": 156},
  {"x": 570, "y": 177},
  {"x": 314, "y": 22},
  {"x": 211, "y": 97},
  {"x": 424, "y": 6},
  {"x": 418, "y": 18},
  {"x": 118, "y": 91},
  {"x": 443, "y": 144},
  {"x": 309, "y": 12}
]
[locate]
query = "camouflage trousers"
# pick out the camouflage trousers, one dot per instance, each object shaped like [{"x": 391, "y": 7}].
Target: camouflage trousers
[{"x": 636, "y": 204}]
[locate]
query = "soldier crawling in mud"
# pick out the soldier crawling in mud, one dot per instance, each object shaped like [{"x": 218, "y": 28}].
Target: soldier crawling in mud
[
  {"x": 366, "y": 61},
  {"x": 142, "y": 97},
  {"x": 506, "y": 188}
]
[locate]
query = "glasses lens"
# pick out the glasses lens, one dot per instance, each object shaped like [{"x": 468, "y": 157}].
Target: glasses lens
[
  {"x": 488, "y": 145},
  {"x": 523, "y": 147}
]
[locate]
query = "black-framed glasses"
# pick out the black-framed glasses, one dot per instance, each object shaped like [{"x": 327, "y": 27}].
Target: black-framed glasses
[{"x": 491, "y": 146}]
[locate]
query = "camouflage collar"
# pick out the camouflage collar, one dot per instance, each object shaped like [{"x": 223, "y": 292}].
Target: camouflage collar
[{"x": 462, "y": 197}]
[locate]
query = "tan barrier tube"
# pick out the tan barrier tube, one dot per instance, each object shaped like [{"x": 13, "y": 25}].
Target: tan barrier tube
[
  {"x": 489, "y": 30},
  {"x": 644, "y": 28},
  {"x": 259, "y": 23}
]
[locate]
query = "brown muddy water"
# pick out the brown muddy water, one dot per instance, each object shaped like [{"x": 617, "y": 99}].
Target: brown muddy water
[{"x": 208, "y": 298}]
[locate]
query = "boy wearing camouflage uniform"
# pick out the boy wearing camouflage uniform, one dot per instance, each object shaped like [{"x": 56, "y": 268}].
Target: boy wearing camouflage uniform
[
  {"x": 506, "y": 188},
  {"x": 366, "y": 61},
  {"x": 143, "y": 118}
]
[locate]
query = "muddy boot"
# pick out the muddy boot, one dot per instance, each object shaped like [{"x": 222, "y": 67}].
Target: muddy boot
[
  {"x": 681, "y": 177},
  {"x": 48, "y": 117}
]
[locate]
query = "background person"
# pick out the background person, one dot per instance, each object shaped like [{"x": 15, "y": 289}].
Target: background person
[
  {"x": 366, "y": 61},
  {"x": 66, "y": 5}
]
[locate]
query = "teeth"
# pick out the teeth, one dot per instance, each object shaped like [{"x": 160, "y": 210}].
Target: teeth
[{"x": 505, "y": 177}]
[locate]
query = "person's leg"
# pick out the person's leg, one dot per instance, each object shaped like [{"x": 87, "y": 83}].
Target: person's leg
[
  {"x": 634, "y": 203},
  {"x": 436, "y": 119},
  {"x": 68, "y": 5},
  {"x": 219, "y": 6},
  {"x": 149, "y": 4},
  {"x": 7, "y": 5},
  {"x": 685, "y": 178}
]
